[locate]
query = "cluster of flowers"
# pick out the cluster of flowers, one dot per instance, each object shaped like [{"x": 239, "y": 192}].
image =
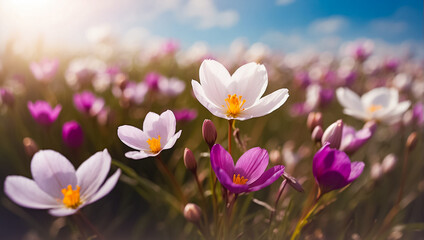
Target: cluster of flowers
[{"x": 62, "y": 189}]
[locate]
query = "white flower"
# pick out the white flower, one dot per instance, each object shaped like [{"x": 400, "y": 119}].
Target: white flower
[
  {"x": 171, "y": 86},
  {"x": 381, "y": 104},
  {"x": 58, "y": 187},
  {"x": 158, "y": 134},
  {"x": 237, "y": 96}
]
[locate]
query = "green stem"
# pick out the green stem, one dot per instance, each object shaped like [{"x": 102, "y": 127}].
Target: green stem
[
  {"x": 165, "y": 171},
  {"x": 303, "y": 221},
  {"x": 230, "y": 133}
]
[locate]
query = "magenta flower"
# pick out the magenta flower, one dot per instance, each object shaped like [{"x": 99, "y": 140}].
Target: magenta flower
[
  {"x": 72, "y": 134},
  {"x": 152, "y": 80},
  {"x": 43, "y": 113},
  {"x": 86, "y": 102},
  {"x": 248, "y": 175},
  {"x": 44, "y": 70},
  {"x": 185, "y": 115},
  {"x": 332, "y": 169}
]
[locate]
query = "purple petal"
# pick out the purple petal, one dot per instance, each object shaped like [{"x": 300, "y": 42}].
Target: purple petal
[
  {"x": 106, "y": 188},
  {"x": 267, "y": 178},
  {"x": 356, "y": 170},
  {"x": 221, "y": 159},
  {"x": 52, "y": 172},
  {"x": 93, "y": 172},
  {"x": 252, "y": 164},
  {"x": 25, "y": 192},
  {"x": 227, "y": 182}
]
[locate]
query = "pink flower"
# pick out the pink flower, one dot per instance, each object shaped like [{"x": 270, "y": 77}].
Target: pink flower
[
  {"x": 43, "y": 113},
  {"x": 44, "y": 70}
]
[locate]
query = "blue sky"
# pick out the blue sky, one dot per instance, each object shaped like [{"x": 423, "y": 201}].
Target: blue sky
[{"x": 289, "y": 25}]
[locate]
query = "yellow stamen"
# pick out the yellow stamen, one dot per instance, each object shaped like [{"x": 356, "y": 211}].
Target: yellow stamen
[
  {"x": 71, "y": 198},
  {"x": 154, "y": 144},
  {"x": 374, "y": 108},
  {"x": 234, "y": 105},
  {"x": 239, "y": 180}
]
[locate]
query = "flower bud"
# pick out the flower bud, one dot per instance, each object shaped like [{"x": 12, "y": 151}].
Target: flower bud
[
  {"x": 189, "y": 160},
  {"x": 314, "y": 119},
  {"x": 192, "y": 212},
  {"x": 209, "y": 132},
  {"x": 317, "y": 134},
  {"x": 411, "y": 142},
  {"x": 389, "y": 163},
  {"x": 333, "y": 134},
  {"x": 275, "y": 157},
  {"x": 72, "y": 134},
  {"x": 30, "y": 146},
  {"x": 293, "y": 182},
  {"x": 376, "y": 171}
]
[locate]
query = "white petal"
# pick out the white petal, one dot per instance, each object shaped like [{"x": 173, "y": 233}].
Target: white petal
[
  {"x": 25, "y": 192},
  {"x": 61, "y": 212},
  {"x": 52, "y": 172},
  {"x": 349, "y": 99},
  {"x": 396, "y": 113},
  {"x": 155, "y": 125},
  {"x": 106, "y": 188},
  {"x": 133, "y": 137},
  {"x": 138, "y": 155},
  {"x": 168, "y": 120},
  {"x": 201, "y": 97},
  {"x": 172, "y": 140},
  {"x": 379, "y": 96},
  {"x": 266, "y": 104},
  {"x": 214, "y": 79},
  {"x": 249, "y": 81},
  {"x": 356, "y": 114},
  {"x": 92, "y": 173}
]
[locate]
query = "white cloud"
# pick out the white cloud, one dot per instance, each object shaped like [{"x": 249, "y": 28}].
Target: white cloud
[
  {"x": 206, "y": 15},
  {"x": 284, "y": 2},
  {"x": 388, "y": 26},
  {"x": 328, "y": 25}
]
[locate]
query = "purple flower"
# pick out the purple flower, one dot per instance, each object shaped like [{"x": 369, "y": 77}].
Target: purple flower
[
  {"x": 170, "y": 46},
  {"x": 418, "y": 114},
  {"x": 44, "y": 70},
  {"x": 352, "y": 140},
  {"x": 152, "y": 80},
  {"x": 248, "y": 174},
  {"x": 43, "y": 113},
  {"x": 86, "y": 102},
  {"x": 332, "y": 169},
  {"x": 72, "y": 134},
  {"x": 185, "y": 115}
]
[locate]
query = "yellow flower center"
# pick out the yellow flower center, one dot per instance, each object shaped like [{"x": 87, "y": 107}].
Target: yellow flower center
[
  {"x": 154, "y": 144},
  {"x": 239, "y": 180},
  {"x": 374, "y": 108},
  {"x": 234, "y": 105},
  {"x": 71, "y": 198}
]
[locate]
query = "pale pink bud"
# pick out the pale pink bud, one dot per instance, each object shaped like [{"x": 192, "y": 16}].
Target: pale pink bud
[
  {"x": 317, "y": 134},
  {"x": 333, "y": 134},
  {"x": 209, "y": 132},
  {"x": 192, "y": 212},
  {"x": 389, "y": 163},
  {"x": 314, "y": 119}
]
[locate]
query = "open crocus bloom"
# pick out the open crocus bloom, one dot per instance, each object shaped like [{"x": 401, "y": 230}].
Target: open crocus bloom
[
  {"x": 352, "y": 140},
  {"x": 43, "y": 113},
  {"x": 332, "y": 169},
  {"x": 381, "y": 104},
  {"x": 58, "y": 187},
  {"x": 44, "y": 70},
  {"x": 237, "y": 96},
  {"x": 158, "y": 134},
  {"x": 248, "y": 174}
]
